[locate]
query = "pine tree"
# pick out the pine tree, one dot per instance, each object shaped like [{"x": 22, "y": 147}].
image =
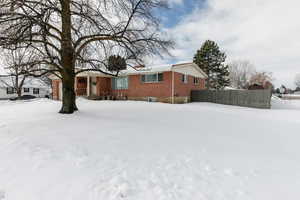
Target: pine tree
[
  {"x": 211, "y": 60},
  {"x": 222, "y": 77}
]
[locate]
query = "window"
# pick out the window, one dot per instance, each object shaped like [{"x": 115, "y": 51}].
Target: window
[
  {"x": 152, "y": 78},
  {"x": 120, "y": 83},
  {"x": 26, "y": 90},
  {"x": 196, "y": 81},
  {"x": 10, "y": 90},
  {"x": 184, "y": 78},
  {"x": 36, "y": 90}
]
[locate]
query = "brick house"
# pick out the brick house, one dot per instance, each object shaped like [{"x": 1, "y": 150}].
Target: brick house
[{"x": 168, "y": 83}]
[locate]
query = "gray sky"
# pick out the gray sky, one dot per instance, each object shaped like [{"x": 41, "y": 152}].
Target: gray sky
[{"x": 265, "y": 32}]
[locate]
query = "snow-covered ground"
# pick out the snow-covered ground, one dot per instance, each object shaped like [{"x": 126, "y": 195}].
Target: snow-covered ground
[
  {"x": 291, "y": 96},
  {"x": 150, "y": 151}
]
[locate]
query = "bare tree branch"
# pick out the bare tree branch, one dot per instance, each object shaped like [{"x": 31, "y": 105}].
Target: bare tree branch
[{"x": 81, "y": 34}]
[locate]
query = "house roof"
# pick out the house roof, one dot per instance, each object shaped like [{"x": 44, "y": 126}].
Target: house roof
[
  {"x": 186, "y": 68},
  {"x": 147, "y": 69},
  {"x": 28, "y": 83}
]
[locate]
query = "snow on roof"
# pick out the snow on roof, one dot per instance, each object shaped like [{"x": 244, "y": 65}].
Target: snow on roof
[
  {"x": 160, "y": 68},
  {"x": 229, "y": 88},
  {"x": 2, "y": 70},
  {"x": 148, "y": 69},
  {"x": 5, "y": 82},
  {"x": 28, "y": 83}
]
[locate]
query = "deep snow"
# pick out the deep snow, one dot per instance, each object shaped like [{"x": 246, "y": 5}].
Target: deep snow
[{"x": 150, "y": 151}]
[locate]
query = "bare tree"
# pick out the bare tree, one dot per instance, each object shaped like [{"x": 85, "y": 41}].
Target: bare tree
[
  {"x": 261, "y": 78},
  {"x": 297, "y": 80},
  {"x": 82, "y": 34},
  {"x": 15, "y": 64},
  {"x": 240, "y": 73}
]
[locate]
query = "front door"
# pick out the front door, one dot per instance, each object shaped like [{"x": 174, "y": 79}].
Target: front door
[{"x": 81, "y": 86}]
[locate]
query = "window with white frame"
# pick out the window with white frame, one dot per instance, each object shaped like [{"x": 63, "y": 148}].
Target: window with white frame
[
  {"x": 196, "y": 81},
  {"x": 10, "y": 90},
  {"x": 120, "y": 83},
  {"x": 152, "y": 78},
  {"x": 36, "y": 91},
  {"x": 26, "y": 90},
  {"x": 184, "y": 78}
]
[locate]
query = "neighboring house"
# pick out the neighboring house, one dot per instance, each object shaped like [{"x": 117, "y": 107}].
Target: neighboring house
[
  {"x": 169, "y": 83},
  {"x": 261, "y": 86},
  {"x": 32, "y": 86}
]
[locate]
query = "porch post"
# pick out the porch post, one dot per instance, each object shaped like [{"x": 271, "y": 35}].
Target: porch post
[{"x": 88, "y": 86}]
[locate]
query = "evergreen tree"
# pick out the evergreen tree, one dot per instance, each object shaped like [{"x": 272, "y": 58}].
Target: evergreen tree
[
  {"x": 222, "y": 77},
  {"x": 211, "y": 60}
]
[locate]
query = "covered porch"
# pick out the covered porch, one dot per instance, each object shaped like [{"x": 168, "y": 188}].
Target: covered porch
[{"x": 92, "y": 86}]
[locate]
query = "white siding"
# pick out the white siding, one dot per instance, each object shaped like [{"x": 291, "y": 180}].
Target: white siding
[
  {"x": 42, "y": 93},
  {"x": 3, "y": 94}
]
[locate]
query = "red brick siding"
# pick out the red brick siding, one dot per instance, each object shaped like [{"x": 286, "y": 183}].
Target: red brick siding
[
  {"x": 184, "y": 89},
  {"x": 55, "y": 89},
  {"x": 103, "y": 86},
  {"x": 81, "y": 88},
  {"x": 138, "y": 89},
  {"x": 162, "y": 89}
]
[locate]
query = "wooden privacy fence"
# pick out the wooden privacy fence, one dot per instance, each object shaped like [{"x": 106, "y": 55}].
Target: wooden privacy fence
[{"x": 244, "y": 98}]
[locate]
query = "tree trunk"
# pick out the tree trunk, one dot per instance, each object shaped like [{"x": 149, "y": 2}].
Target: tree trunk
[
  {"x": 19, "y": 92},
  {"x": 68, "y": 64},
  {"x": 208, "y": 85},
  {"x": 69, "y": 96},
  {"x": 17, "y": 88}
]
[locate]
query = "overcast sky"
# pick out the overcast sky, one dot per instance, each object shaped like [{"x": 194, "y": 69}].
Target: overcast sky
[{"x": 265, "y": 32}]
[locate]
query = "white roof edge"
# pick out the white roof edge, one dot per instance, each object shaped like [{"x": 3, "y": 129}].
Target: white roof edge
[
  {"x": 146, "y": 70},
  {"x": 30, "y": 82},
  {"x": 195, "y": 66}
]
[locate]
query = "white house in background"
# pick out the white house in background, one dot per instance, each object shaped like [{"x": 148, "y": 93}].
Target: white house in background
[{"x": 32, "y": 86}]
